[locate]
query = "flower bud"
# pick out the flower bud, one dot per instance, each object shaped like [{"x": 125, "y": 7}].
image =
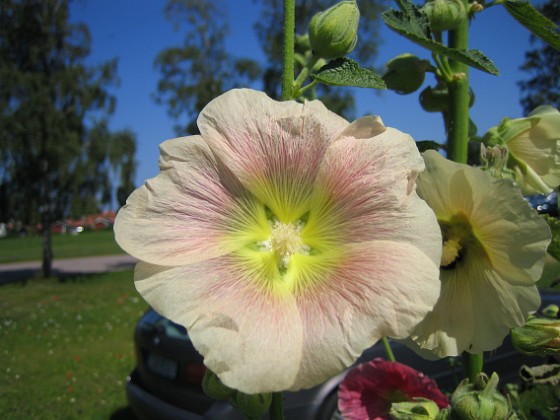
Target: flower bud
[
  {"x": 419, "y": 409},
  {"x": 445, "y": 14},
  {"x": 538, "y": 337},
  {"x": 334, "y": 32},
  {"x": 479, "y": 401},
  {"x": 551, "y": 311},
  {"x": 253, "y": 406},
  {"x": 405, "y": 73},
  {"x": 435, "y": 99},
  {"x": 214, "y": 388}
]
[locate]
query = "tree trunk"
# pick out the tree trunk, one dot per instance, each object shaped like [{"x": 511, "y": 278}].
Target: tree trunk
[{"x": 47, "y": 249}]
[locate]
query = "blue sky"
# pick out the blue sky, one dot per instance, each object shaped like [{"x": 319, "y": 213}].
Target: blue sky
[{"x": 134, "y": 31}]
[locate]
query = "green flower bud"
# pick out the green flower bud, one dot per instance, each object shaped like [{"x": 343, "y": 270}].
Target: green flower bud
[
  {"x": 445, "y": 14},
  {"x": 334, "y": 32},
  {"x": 214, "y": 388},
  {"x": 405, "y": 73},
  {"x": 539, "y": 337},
  {"x": 551, "y": 311},
  {"x": 479, "y": 401},
  {"x": 436, "y": 99},
  {"x": 252, "y": 406},
  {"x": 419, "y": 409}
]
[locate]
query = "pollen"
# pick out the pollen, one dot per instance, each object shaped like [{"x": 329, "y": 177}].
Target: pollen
[{"x": 285, "y": 240}]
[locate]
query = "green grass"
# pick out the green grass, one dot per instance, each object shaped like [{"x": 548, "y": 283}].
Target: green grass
[
  {"x": 66, "y": 348},
  {"x": 64, "y": 246}
]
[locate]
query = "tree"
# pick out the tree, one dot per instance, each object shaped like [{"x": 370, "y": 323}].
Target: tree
[
  {"x": 52, "y": 162},
  {"x": 269, "y": 29},
  {"x": 201, "y": 69},
  {"x": 542, "y": 63}
]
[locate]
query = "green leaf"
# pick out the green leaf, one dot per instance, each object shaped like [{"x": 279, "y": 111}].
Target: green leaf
[
  {"x": 346, "y": 72},
  {"x": 413, "y": 24},
  {"x": 526, "y": 14}
]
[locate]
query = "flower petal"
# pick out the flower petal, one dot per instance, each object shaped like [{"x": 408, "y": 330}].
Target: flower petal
[
  {"x": 368, "y": 291},
  {"x": 476, "y": 310},
  {"x": 369, "y": 389},
  {"x": 365, "y": 189},
  {"x": 194, "y": 207},
  {"x": 512, "y": 233},
  {"x": 539, "y": 147},
  {"x": 490, "y": 288},
  {"x": 273, "y": 148},
  {"x": 259, "y": 338},
  {"x": 250, "y": 338}
]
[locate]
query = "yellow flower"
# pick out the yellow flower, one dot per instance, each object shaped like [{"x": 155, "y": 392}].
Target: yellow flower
[{"x": 494, "y": 248}]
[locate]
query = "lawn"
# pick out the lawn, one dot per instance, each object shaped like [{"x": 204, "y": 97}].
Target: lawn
[
  {"x": 66, "y": 348},
  {"x": 64, "y": 246}
]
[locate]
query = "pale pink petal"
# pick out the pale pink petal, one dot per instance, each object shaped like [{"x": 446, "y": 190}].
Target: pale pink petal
[
  {"x": 240, "y": 319},
  {"x": 251, "y": 338},
  {"x": 273, "y": 148},
  {"x": 192, "y": 211},
  {"x": 371, "y": 290},
  {"x": 366, "y": 190}
]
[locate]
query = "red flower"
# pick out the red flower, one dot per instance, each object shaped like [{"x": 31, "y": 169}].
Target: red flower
[{"x": 370, "y": 388}]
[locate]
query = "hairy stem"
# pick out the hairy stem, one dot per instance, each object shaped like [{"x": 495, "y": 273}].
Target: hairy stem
[
  {"x": 458, "y": 117},
  {"x": 288, "y": 56}
]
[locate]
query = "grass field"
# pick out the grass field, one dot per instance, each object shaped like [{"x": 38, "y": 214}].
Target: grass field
[
  {"x": 64, "y": 246},
  {"x": 66, "y": 348}
]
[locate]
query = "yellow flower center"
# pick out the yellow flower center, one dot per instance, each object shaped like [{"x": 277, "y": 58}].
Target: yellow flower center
[
  {"x": 457, "y": 235},
  {"x": 285, "y": 240}
]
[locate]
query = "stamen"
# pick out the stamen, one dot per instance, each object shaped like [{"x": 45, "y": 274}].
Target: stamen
[{"x": 285, "y": 240}]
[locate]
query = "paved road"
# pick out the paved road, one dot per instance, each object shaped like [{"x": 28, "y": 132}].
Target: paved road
[{"x": 66, "y": 267}]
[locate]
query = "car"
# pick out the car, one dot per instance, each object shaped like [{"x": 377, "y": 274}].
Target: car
[
  {"x": 166, "y": 382},
  {"x": 544, "y": 204}
]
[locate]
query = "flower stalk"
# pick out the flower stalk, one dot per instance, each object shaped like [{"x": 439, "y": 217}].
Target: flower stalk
[
  {"x": 277, "y": 407},
  {"x": 458, "y": 116},
  {"x": 388, "y": 350},
  {"x": 458, "y": 138},
  {"x": 288, "y": 55},
  {"x": 472, "y": 366}
]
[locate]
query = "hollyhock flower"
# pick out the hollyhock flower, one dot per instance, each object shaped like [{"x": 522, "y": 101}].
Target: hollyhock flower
[
  {"x": 285, "y": 239},
  {"x": 533, "y": 144},
  {"x": 494, "y": 248},
  {"x": 368, "y": 390}
]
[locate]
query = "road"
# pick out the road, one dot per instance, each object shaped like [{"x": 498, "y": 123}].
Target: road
[{"x": 66, "y": 267}]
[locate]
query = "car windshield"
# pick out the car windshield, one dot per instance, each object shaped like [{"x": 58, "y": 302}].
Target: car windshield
[{"x": 153, "y": 320}]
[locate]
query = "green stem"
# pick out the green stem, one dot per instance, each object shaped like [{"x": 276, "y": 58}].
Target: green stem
[
  {"x": 308, "y": 86},
  {"x": 458, "y": 118},
  {"x": 304, "y": 73},
  {"x": 472, "y": 365},
  {"x": 288, "y": 56},
  {"x": 388, "y": 349},
  {"x": 276, "y": 411}
]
